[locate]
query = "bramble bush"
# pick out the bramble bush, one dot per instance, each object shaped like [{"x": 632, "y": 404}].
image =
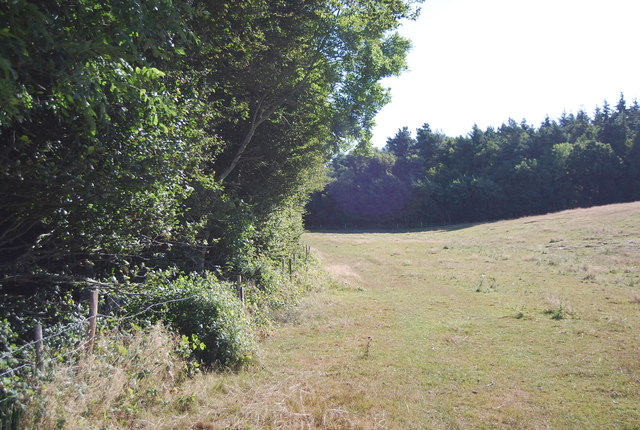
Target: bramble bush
[{"x": 199, "y": 307}]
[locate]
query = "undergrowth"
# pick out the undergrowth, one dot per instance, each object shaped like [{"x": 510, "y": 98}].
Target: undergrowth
[
  {"x": 139, "y": 369},
  {"x": 126, "y": 374}
]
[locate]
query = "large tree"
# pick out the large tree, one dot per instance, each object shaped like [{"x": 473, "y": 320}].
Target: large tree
[{"x": 175, "y": 133}]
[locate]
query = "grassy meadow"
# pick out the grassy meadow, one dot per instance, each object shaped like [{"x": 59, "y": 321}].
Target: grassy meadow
[{"x": 531, "y": 323}]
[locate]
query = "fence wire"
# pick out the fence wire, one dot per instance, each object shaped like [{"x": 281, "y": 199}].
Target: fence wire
[
  {"x": 68, "y": 328},
  {"x": 64, "y": 330}
]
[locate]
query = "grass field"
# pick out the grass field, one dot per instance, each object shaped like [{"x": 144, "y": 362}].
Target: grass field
[{"x": 530, "y": 323}]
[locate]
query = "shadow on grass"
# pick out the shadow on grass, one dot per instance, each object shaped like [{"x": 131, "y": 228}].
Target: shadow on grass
[{"x": 389, "y": 230}]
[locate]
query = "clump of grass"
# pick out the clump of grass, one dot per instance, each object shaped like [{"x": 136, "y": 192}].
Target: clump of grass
[
  {"x": 557, "y": 309},
  {"x": 491, "y": 288},
  {"x": 124, "y": 377},
  {"x": 556, "y": 313}
]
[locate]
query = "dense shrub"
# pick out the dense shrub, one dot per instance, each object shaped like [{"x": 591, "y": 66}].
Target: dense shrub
[{"x": 205, "y": 310}]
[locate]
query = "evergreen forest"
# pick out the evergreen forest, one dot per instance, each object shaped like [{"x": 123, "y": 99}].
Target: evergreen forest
[{"x": 514, "y": 170}]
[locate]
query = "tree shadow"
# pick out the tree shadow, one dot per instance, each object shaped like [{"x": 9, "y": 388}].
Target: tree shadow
[{"x": 355, "y": 229}]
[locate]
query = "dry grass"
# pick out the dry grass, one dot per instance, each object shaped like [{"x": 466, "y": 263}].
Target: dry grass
[
  {"x": 446, "y": 329},
  {"x": 455, "y": 329},
  {"x": 126, "y": 376}
]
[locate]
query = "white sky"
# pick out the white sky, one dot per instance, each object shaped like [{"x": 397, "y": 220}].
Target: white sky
[{"x": 487, "y": 61}]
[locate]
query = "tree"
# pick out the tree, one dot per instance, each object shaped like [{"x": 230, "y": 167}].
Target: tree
[
  {"x": 614, "y": 130},
  {"x": 87, "y": 157},
  {"x": 595, "y": 170},
  {"x": 428, "y": 144},
  {"x": 401, "y": 144},
  {"x": 172, "y": 135},
  {"x": 364, "y": 191},
  {"x": 632, "y": 180},
  {"x": 301, "y": 82}
]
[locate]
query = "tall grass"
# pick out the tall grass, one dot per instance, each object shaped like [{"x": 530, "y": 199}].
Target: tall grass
[{"x": 110, "y": 388}]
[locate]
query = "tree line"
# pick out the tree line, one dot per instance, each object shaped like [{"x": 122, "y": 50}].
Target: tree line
[
  {"x": 509, "y": 171},
  {"x": 174, "y": 137}
]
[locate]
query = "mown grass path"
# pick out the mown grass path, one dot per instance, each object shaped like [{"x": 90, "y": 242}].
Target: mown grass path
[{"x": 530, "y": 323}]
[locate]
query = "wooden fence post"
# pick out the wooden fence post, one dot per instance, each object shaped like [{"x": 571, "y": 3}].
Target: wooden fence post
[
  {"x": 38, "y": 338},
  {"x": 93, "y": 319},
  {"x": 290, "y": 269},
  {"x": 306, "y": 254},
  {"x": 240, "y": 288}
]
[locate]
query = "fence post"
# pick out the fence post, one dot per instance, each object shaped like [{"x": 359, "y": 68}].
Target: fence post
[
  {"x": 290, "y": 269},
  {"x": 306, "y": 254},
  {"x": 38, "y": 338},
  {"x": 240, "y": 288},
  {"x": 93, "y": 319}
]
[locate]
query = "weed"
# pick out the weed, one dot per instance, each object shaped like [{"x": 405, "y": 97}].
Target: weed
[
  {"x": 185, "y": 403},
  {"x": 555, "y": 313},
  {"x": 557, "y": 309},
  {"x": 111, "y": 388},
  {"x": 492, "y": 287},
  {"x": 367, "y": 348}
]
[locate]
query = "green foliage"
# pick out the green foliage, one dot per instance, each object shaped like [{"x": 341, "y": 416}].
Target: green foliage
[
  {"x": 508, "y": 172},
  {"x": 204, "y": 310},
  {"x": 141, "y": 137}
]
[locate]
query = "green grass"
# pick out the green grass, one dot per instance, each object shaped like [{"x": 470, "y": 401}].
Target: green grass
[{"x": 531, "y": 323}]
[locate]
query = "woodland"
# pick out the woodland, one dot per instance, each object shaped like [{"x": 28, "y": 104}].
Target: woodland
[
  {"x": 157, "y": 149},
  {"x": 510, "y": 171}
]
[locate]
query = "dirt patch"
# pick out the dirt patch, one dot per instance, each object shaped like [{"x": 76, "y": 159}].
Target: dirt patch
[{"x": 342, "y": 272}]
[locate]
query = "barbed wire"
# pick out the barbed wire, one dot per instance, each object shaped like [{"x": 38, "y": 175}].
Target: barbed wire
[
  {"x": 65, "y": 329},
  {"x": 127, "y": 317},
  {"x": 6, "y": 372},
  {"x": 60, "y": 332}
]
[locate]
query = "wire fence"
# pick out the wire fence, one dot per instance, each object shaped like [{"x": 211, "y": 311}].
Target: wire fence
[
  {"x": 29, "y": 356},
  {"x": 63, "y": 330},
  {"x": 80, "y": 324},
  {"x": 29, "y": 359}
]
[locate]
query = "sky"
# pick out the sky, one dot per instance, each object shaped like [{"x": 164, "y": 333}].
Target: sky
[{"x": 483, "y": 62}]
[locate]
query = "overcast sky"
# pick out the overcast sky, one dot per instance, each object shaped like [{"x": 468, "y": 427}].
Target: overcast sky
[{"x": 487, "y": 61}]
